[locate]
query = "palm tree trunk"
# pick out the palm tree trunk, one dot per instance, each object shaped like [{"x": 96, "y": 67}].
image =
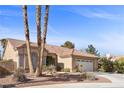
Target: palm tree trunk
[
  {"x": 44, "y": 35},
  {"x": 38, "y": 22},
  {"x": 3, "y": 44},
  {"x": 27, "y": 39}
]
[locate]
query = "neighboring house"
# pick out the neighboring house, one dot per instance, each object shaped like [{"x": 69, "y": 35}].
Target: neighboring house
[
  {"x": 113, "y": 58},
  {"x": 55, "y": 55}
]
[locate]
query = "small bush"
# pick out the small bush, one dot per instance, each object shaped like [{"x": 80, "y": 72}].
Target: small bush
[
  {"x": 81, "y": 68},
  {"x": 83, "y": 75},
  {"x": 44, "y": 68},
  {"x": 51, "y": 69},
  {"x": 87, "y": 75},
  {"x": 76, "y": 69},
  {"x": 91, "y": 76},
  {"x": 19, "y": 75},
  {"x": 101, "y": 69},
  {"x": 66, "y": 70},
  {"x": 59, "y": 68}
]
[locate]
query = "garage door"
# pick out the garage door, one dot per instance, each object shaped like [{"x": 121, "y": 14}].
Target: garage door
[{"x": 86, "y": 65}]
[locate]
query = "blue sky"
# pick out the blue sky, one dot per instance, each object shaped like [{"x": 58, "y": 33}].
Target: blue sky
[{"x": 102, "y": 26}]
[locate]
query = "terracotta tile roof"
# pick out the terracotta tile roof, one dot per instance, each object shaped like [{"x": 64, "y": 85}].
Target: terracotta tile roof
[
  {"x": 79, "y": 53},
  {"x": 16, "y": 43},
  {"x": 60, "y": 51}
]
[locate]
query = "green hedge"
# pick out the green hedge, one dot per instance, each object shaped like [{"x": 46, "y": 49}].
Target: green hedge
[
  {"x": 119, "y": 65},
  {"x": 106, "y": 65}
]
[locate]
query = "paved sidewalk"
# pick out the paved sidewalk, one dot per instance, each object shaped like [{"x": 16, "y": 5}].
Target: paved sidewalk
[{"x": 83, "y": 85}]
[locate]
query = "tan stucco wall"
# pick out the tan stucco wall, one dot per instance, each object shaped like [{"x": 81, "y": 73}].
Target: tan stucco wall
[
  {"x": 66, "y": 61},
  {"x": 70, "y": 62},
  {"x": 95, "y": 65},
  {"x": 10, "y": 53}
]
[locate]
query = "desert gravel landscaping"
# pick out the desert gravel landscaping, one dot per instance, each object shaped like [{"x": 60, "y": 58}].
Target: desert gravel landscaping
[{"x": 49, "y": 80}]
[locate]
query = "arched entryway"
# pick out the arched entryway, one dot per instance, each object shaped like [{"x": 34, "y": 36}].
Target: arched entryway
[{"x": 34, "y": 59}]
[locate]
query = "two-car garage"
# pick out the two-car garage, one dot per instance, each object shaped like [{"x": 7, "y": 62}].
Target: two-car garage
[{"x": 87, "y": 65}]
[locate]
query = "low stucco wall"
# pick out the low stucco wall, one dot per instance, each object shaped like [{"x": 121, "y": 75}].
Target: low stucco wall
[
  {"x": 9, "y": 65},
  {"x": 10, "y": 53}
]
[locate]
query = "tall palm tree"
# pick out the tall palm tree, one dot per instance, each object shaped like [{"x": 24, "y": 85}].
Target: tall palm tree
[
  {"x": 27, "y": 39},
  {"x": 3, "y": 43},
  {"x": 44, "y": 35},
  {"x": 38, "y": 22},
  {"x": 0, "y": 55}
]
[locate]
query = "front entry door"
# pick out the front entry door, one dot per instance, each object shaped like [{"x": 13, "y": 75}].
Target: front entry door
[{"x": 50, "y": 61}]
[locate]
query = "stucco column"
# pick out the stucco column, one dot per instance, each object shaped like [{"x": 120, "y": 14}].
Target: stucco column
[
  {"x": 95, "y": 65},
  {"x": 56, "y": 60},
  {"x": 18, "y": 62},
  {"x": 73, "y": 63},
  {"x": 96, "y": 61}
]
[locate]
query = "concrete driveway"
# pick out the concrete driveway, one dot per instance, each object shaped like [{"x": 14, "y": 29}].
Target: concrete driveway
[
  {"x": 117, "y": 82},
  {"x": 115, "y": 78}
]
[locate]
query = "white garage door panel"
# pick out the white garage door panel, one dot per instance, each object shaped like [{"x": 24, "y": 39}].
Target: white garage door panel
[{"x": 87, "y": 66}]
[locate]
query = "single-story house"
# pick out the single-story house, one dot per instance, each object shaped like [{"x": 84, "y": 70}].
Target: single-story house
[{"x": 68, "y": 58}]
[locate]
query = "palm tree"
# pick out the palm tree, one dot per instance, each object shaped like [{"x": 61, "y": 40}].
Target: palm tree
[
  {"x": 44, "y": 34},
  {"x": 27, "y": 39},
  {"x": 3, "y": 43},
  {"x": 0, "y": 55},
  {"x": 38, "y": 22}
]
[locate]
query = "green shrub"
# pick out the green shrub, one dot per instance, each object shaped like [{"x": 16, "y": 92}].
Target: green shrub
[
  {"x": 66, "y": 70},
  {"x": 76, "y": 69},
  {"x": 19, "y": 75},
  {"x": 101, "y": 69},
  {"x": 87, "y": 75},
  {"x": 106, "y": 65},
  {"x": 44, "y": 68},
  {"x": 83, "y": 75},
  {"x": 119, "y": 66},
  {"x": 51, "y": 69},
  {"x": 81, "y": 68}
]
